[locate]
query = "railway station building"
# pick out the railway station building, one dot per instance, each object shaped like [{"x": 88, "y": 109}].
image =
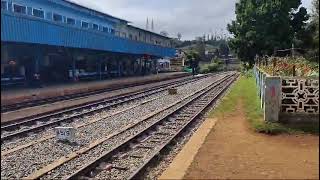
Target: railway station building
[{"x": 60, "y": 41}]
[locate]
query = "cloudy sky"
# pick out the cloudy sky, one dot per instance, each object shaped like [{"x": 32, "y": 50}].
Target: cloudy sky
[{"x": 190, "y": 17}]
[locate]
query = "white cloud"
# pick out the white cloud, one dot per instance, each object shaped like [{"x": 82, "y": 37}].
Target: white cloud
[{"x": 190, "y": 17}]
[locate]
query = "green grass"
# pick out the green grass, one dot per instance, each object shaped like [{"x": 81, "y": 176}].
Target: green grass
[{"x": 245, "y": 91}]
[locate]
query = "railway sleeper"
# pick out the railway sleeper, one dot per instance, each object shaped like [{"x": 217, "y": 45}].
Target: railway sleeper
[
  {"x": 162, "y": 133},
  {"x": 143, "y": 147}
]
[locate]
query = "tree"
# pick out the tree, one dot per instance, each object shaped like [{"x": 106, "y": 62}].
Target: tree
[
  {"x": 201, "y": 48},
  {"x": 263, "y": 26},
  {"x": 308, "y": 38},
  {"x": 315, "y": 24},
  {"x": 224, "y": 49},
  {"x": 193, "y": 60},
  {"x": 179, "y": 36},
  {"x": 164, "y": 33}
]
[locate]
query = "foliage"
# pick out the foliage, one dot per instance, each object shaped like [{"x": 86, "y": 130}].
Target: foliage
[
  {"x": 314, "y": 25},
  {"x": 285, "y": 66},
  {"x": 193, "y": 58},
  {"x": 179, "y": 35},
  {"x": 209, "y": 68},
  {"x": 201, "y": 49},
  {"x": 244, "y": 67},
  {"x": 247, "y": 72},
  {"x": 214, "y": 66},
  {"x": 214, "y": 42},
  {"x": 224, "y": 49},
  {"x": 245, "y": 91},
  {"x": 263, "y": 26},
  {"x": 164, "y": 33}
]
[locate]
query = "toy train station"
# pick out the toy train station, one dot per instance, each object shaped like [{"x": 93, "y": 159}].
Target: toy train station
[{"x": 60, "y": 41}]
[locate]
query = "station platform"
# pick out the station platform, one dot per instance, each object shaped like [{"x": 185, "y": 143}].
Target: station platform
[{"x": 27, "y": 94}]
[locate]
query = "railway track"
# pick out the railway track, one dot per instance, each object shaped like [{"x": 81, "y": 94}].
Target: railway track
[
  {"x": 91, "y": 103},
  {"x": 137, "y": 144},
  {"x": 147, "y": 145},
  {"x": 24, "y": 126},
  {"x": 21, "y": 105}
]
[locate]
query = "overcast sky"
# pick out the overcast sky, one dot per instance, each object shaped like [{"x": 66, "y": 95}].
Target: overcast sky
[{"x": 190, "y": 17}]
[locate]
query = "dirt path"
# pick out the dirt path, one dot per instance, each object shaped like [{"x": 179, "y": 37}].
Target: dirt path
[{"x": 233, "y": 151}]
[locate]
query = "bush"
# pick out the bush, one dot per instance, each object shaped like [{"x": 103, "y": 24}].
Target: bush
[
  {"x": 204, "y": 70},
  {"x": 209, "y": 68},
  {"x": 284, "y": 67}
]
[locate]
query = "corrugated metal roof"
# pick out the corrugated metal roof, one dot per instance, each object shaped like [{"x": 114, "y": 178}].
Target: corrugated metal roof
[
  {"x": 149, "y": 32},
  {"x": 27, "y": 29},
  {"x": 76, "y": 3}
]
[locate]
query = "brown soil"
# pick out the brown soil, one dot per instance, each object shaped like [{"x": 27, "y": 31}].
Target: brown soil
[{"x": 233, "y": 151}]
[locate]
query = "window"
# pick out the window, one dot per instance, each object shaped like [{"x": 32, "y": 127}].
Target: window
[
  {"x": 84, "y": 24},
  {"x": 112, "y": 31},
  {"x": 71, "y": 21},
  {"x": 38, "y": 13},
  {"x": 57, "y": 17},
  {"x": 130, "y": 36},
  {"x": 95, "y": 26},
  {"x": 4, "y": 5},
  {"x": 105, "y": 29},
  {"x": 19, "y": 9}
]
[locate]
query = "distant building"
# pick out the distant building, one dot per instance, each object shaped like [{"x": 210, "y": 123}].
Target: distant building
[{"x": 178, "y": 62}]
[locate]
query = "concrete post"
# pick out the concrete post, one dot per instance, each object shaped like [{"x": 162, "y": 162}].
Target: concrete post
[
  {"x": 272, "y": 96},
  {"x": 262, "y": 90}
]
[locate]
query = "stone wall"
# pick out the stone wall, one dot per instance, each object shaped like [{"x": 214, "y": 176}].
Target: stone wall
[{"x": 288, "y": 98}]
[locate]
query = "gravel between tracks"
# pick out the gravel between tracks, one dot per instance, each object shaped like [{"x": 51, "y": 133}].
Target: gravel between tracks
[
  {"x": 155, "y": 171},
  {"x": 26, "y": 161},
  {"x": 6, "y": 145},
  {"x": 75, "y": 164}
]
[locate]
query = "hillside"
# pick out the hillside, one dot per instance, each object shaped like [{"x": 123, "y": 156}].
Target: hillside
[{"x": 208, "y": 47}]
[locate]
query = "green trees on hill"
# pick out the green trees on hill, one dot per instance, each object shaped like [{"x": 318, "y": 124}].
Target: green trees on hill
[
  {"x": 313, "y": 28},
  {"x": 261, "y": 27}
]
